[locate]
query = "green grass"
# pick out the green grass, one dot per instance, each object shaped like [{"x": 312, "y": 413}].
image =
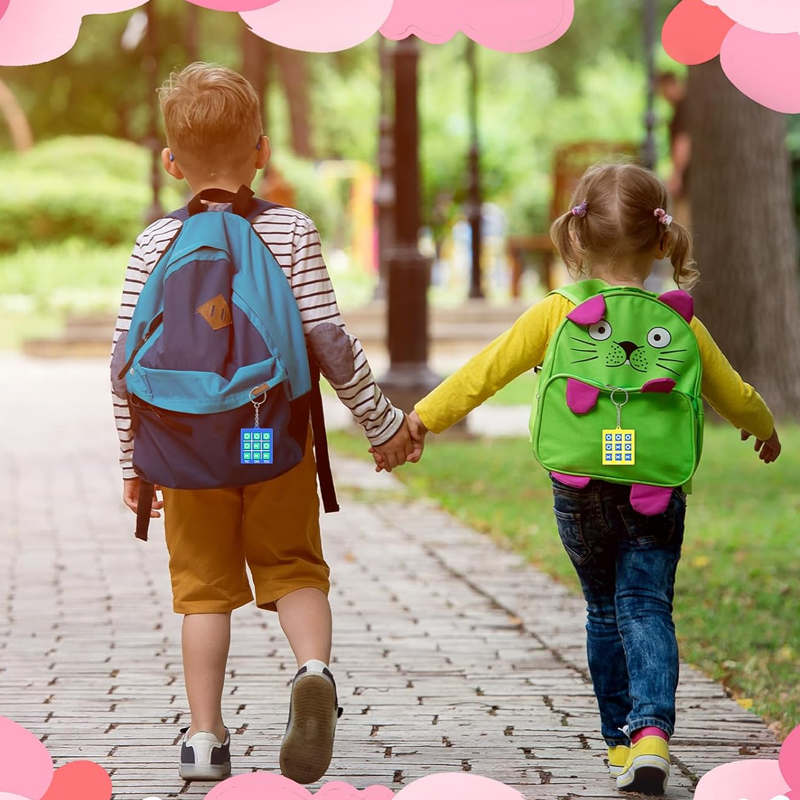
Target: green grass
[{"x": 737, "y": 592}]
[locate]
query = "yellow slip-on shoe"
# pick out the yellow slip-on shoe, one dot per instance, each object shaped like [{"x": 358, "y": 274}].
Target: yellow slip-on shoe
[
  {"x": 647, "y": 768},
  {"x": 617, "y": 759}
]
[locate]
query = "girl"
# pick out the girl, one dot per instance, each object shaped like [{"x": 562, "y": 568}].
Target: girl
[{"x": 626, "y": 560}]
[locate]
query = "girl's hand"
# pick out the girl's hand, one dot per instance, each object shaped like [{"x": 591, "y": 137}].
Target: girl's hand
[{"x": 769, "y": 450}]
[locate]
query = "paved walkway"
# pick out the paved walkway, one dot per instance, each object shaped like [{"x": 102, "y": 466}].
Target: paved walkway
[{"x": 451, "y": 653}]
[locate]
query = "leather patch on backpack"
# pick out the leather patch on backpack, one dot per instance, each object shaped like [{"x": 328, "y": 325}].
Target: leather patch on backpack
[{"x": 216, "y": 312}]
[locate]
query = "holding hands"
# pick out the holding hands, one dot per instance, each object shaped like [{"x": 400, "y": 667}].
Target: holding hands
[{"x": 405, "y": 446}]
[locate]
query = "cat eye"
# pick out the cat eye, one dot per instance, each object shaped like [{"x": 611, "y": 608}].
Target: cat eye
[
  {"x": 659, "y": 337},
  {"x": 600, "y": 330}
]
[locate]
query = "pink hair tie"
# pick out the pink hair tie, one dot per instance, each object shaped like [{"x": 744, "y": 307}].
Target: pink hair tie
[
  {"x": 662, "y": 216},
  {"x": 580, "y": 211}
]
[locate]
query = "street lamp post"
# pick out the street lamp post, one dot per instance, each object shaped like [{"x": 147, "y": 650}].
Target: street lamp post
[
  {"x": 385, "y": 194},
  {"x": 475, "y": 200},
  {"x": 650, "y": 34},
  {"x": 156, "y": 210},
  {"x": 409, "y": 377}
]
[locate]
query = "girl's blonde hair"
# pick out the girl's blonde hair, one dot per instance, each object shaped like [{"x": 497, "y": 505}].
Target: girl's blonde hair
[{"x": 614, "y": 212}]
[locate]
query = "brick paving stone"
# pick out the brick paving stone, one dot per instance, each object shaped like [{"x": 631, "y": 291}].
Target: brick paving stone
[{"x": 451, "y": 653}]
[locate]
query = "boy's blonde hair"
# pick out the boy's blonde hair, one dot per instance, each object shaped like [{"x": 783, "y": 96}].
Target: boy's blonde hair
[
  {"x": 620, "y": 217},
  {"x": 212, "y": 117}
]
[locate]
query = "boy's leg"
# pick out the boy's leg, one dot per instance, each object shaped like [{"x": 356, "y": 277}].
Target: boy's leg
[
  {"x": 207, "y": 567},
  {"x": 284, "y": 553},
  {"x": 646, "y": 569},
  {"x": 305, "y": 616},
  {"x": 593, "y": 555},
  {"x": 206, "y": 640}
]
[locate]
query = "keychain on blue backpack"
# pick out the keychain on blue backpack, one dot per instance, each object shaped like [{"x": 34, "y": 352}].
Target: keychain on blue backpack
[{"x": 257, "y": 445}]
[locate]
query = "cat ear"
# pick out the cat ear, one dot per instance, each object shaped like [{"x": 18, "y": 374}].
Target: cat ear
[
  {"x": 590, "y": 312},
  {"x": 682, "y": 302}
]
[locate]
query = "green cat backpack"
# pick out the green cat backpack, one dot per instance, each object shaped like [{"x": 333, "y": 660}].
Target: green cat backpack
[{"x": 619, "y": 393}]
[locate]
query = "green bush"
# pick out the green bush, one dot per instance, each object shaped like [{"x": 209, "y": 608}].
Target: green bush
[{"x": 86, "y": 187}]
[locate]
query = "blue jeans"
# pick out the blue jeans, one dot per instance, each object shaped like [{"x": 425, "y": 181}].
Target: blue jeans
[{"x": 626, "y": 563}]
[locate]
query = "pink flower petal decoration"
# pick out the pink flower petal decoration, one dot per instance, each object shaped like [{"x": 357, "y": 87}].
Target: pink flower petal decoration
[
  {"x": 27, "y": 768},
  {"x": 790, "y": 762},
  {"x": 233, "y": 5},
  {"x": 766, "y": 16},
  {"x": 3, "y": 7},
  {"x": 79, "y": 780},
  {"x": 764, "y": 67},
  {"x": 35, "y": 31},
  {"x": 694, "y": 32},
  {"x": 319, "y": 26},
  {"x": 457, "y": 786},
  {"x": 753, "y": 779},
  {"x": 506, "y": 25},
  {"x": 258, "y": 786}
]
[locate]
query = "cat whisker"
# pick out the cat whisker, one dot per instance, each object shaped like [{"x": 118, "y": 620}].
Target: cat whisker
[
  {"x": 670, "y": 370},
  {"x": 591, "y": 344},
  {"x": 579, "y": 350},
  {"x": 583, "y": 360},
  {"x": 670, "y": 352},
  {"x": 672, "y": 360}
]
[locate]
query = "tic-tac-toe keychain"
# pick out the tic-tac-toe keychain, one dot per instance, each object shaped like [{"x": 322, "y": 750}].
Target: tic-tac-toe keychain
[
  {"x": 257, "y": 444},
  {"x": 619, "y": 446}
]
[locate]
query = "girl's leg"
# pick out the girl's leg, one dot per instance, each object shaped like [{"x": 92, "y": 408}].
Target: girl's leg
[
  {"x": 593, "y": 555},
  {"x": 646, "y": 569},
  {"x": 305, "y": 617},
  {"x": 206, "y": 640}
]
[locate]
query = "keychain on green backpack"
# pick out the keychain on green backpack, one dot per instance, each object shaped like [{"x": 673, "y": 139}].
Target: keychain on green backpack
[{"x": 619, "y": 446}]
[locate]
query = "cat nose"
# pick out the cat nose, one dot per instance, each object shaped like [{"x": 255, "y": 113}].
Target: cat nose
[{"x": 628, "y": 347}]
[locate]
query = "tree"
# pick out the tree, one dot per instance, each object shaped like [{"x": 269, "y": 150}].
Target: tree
[
  {"x": 746, "y": 244},
  {"x": 15, "y": 117}
]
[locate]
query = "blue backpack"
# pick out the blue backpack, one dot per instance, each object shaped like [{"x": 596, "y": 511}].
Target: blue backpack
[{"x": 217, "y": 372}]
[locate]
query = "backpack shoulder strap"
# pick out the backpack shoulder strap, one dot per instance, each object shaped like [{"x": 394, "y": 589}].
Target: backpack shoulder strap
[{"x": 582, "y": 290}]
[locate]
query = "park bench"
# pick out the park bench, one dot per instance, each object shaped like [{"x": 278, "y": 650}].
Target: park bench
[{"x": 569, "y": 163}]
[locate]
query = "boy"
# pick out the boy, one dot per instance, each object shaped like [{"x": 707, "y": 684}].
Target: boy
[{"x": 215, "y": 140}]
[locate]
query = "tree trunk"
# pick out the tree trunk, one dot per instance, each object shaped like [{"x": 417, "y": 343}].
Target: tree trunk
[
  {"x": 294, "y": 70},
  {"x": 254, "y": 66},
  {"x": 21, "y": 134},
  {"x": 745, "y": 239}
]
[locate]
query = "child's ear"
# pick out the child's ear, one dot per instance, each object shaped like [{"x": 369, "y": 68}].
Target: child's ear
[
  {"x": 264, "y": 153},
  {"x": 170, "y": 164},
  {"x": 664, "y": 245}
]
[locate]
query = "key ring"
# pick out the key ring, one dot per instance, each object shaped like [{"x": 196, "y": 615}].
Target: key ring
[
  {"x": 257, "y": 404},
  {"x": 619, "y": 405}
]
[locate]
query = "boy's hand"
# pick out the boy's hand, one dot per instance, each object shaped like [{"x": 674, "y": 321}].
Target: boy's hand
[
  {"x": 768, "y": 450},
  {"x": 395, "y": 452},
  {"x": 130, "y": 496}
]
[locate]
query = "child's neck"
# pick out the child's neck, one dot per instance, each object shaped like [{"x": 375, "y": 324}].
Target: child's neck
[{"x": 621, "y": 272}]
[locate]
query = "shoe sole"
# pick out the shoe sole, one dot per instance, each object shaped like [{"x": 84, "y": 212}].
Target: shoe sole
[
  {"x": 307, "y": 748},
  {"x": 646, "y": 775},
  {"x": 205, "y": 772},
  {"x": 615, "y": 771}
]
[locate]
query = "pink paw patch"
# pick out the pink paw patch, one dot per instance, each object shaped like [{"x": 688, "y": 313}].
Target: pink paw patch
[
  {"x": 660, "y": 385},
  {"x": 581, "y": 398}
]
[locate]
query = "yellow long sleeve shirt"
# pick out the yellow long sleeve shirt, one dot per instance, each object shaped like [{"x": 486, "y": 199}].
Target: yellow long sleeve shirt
[{"x": 522, "y": 347}]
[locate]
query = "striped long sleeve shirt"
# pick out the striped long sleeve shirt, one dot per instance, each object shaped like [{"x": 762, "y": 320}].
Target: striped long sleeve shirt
[{"x": 294, "y": 242}]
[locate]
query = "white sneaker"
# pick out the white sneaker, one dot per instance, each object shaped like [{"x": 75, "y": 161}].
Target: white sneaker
[
  {"x": 307, "y": 746},
  {"x": 204, "y": 757}
]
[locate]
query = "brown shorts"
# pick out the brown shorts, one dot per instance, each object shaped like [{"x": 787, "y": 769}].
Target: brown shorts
[{"x": 271, "y": 527}]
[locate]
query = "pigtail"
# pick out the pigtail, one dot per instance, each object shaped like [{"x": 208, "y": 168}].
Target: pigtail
[
  {"x": 684, "y": 272},
  {"x": 566, "y": 238}
]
